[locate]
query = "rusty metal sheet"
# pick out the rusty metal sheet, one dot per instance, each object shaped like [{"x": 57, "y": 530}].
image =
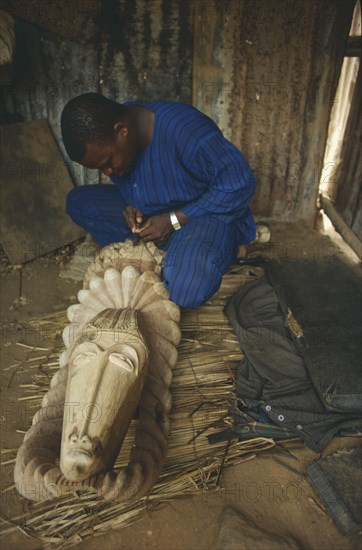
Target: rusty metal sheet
[
  {"x": 267, "y": 72},
  {"x": 146, "y": 50},
  {"x": 48, "y": 72},
  {"x": 142, "y": 49},
  {"x": 34, "y": 183},
  {"x": 71, "y": 19}
]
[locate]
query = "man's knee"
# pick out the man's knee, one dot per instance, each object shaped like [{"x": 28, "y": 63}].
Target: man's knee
[
  {"x": 75, "y": 202},
  {"x": 72, "y": 198},
  {"x": 192, "y": 293}
]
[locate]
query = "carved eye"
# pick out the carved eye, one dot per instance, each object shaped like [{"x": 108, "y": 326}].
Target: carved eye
[
  {"x": 84, "y": 357},
  {"x": 121, "y": 361}
]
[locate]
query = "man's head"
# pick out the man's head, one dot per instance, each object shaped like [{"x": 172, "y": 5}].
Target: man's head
[{"x": 98, "y": 133}]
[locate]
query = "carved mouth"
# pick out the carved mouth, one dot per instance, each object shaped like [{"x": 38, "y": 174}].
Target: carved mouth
[{"x": 81, "y": 451}]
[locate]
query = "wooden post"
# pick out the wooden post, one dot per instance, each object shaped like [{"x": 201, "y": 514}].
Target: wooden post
[{"x": 349, "y": 236}]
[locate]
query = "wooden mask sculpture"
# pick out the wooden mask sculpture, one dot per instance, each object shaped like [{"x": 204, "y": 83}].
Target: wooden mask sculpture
[
  {"x": 120, "y": 350},
  {"x": 107, "y": 371}
]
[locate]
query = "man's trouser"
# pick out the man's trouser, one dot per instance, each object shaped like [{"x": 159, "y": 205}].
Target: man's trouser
[{"x": 196, "y": 257}]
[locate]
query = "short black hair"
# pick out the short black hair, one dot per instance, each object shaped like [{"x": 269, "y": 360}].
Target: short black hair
[{"x": 89, "y": 118}]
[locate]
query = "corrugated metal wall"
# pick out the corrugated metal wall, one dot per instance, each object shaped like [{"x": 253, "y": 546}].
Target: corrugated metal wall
[
  {"x": 146, "y": 49},
  {"x": 48, "y": 71},
  {"x": 125, "y": 49},
  {"x": 265, "y": 70}
]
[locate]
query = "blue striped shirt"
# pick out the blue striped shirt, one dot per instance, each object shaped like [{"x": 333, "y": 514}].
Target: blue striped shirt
[{"x": 190, "y": 166}]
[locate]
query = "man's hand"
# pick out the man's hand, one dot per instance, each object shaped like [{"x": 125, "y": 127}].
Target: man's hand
[
  {"x": 156, "y": 229},
  {"x": 134, "y": 218}
]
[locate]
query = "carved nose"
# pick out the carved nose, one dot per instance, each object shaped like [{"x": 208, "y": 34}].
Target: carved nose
[{"x": 85, "y": 440}]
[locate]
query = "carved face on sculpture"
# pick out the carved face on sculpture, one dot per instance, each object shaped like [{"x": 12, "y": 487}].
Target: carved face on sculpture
[{"x": 107, "y": 370}]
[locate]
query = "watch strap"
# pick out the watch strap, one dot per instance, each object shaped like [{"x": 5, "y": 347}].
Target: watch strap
[{"x": 174, "y": 221}]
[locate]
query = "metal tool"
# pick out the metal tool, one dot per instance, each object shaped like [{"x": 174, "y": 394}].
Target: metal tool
[
  {"x": 137, "y": 236},
  {"x": 256, "y": 260}
]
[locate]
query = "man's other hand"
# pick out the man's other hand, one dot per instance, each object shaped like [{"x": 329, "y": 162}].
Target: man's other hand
[
  {"x": 134, "y": 218},
  {"x": 156, "y": 229}
]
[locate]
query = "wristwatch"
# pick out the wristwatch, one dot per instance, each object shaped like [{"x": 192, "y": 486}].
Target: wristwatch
[{"x": 174, "y": 221}]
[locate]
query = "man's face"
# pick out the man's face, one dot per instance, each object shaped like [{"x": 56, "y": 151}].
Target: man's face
[{"x": 115, "y": 158}]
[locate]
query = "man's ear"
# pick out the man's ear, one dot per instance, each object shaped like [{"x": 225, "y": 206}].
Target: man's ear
[{"x": 120, "y": 129}]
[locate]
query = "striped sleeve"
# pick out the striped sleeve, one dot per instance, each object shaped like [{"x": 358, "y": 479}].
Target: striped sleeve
[{"x": 230, "y": 181}]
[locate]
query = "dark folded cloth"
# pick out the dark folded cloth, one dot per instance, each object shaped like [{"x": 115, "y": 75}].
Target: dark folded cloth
[
  {"x": 325, "y": 298},
  {"x": 273, "y": 379}
]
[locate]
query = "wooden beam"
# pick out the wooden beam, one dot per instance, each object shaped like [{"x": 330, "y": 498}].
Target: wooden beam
[{"x": 349, "y": 236}]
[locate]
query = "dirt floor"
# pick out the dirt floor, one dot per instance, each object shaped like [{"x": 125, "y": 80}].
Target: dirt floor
[{"x": 273, "y": 495}]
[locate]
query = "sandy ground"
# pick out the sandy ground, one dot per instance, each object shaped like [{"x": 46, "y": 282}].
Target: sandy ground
[{"x": 272, "y": 495}]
